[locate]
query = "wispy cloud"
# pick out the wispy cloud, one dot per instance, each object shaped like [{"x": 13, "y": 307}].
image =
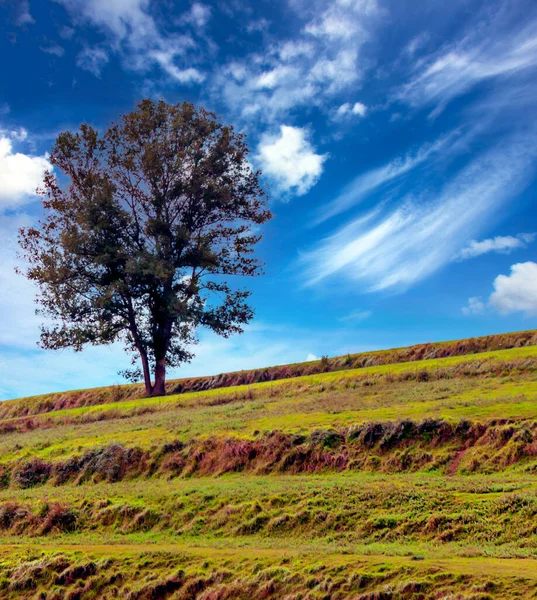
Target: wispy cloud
[
  {"x": 421, "y": 222},
  {"x": 363, "y": 185},
  {"x": 132, "y": 31},
  {"x": 198, "y": 16},
  {"x": 501, "y": 243},
  {"x": 356, "y": 316},
  {"x": 93, "y": 60},
  {"x": 54, "y": 49},
  {"x": 24, "y": 17},
  {"x": 494, "y": 48},
  {"x": 395, "y": 249}
]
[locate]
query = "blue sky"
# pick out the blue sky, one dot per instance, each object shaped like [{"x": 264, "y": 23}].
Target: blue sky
[{"x": 397, "y": 140}]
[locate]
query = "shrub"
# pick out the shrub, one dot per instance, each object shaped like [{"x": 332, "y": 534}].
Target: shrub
[
  {"x": 59, "y": 517},
  {"x": 327, "y": 438},
  {"x": 325, "y": 363},
  {"x": 31, "y": 473},
  {"x": 110, "y": 463},
  {"x": 9, "y": 512}
]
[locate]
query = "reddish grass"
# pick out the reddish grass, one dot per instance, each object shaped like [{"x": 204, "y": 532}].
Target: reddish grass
[{"x": 372, "y": 446}]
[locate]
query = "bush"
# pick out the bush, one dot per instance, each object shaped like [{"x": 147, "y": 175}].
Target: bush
[
  {"x": 111, "y": 463},
  {"x": 32, "y": 473},
  {"x": 325, "y": 363},
  {"x": 9, "y": 512},
  {"x": 327, "y": 438},
  {"x": 59, "y": 517}
]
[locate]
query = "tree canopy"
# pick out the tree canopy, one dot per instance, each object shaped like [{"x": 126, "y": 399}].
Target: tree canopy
[{"x": 143, "y": 227}]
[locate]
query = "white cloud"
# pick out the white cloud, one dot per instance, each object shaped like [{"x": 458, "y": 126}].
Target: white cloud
[
  {"x": 356, "y": 316},
  {"x": 501, "y": 243},
  {"x": 20, "y": 174},
  {"x": 395, "y": 249},
  {"x": 311, "y": 357},
  {"x": 290, "y": 160},
  {"x": 54, "y": 49},
  {"x": 133, "y": 32},
  {"x": 349, "y": 109},
  {"x": 359, "y": 109},
  {"x": 166, "y": 59},
  {"x": 258, "y": 25},
  {"x": 364, "y": 184},
  {"x": 92, "y": 60},
  {"x": 475, "y": 306},
  {"x": 321, "y": 61},
  {"x": 67, "y": 32},
  {"x": 488, "y": 52},
  {"x": 123, "y": 18},
  {"x": 24, "y": 16},
  {"x": 198, "y": 15},
  {"x": 417, "y": 43},
  {"x": 516, "y": 292}
]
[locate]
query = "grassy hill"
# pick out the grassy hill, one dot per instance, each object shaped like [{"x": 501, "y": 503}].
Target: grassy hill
[{"x": 401, "y": 474}]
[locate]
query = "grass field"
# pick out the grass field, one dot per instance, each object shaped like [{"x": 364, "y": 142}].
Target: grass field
[{"x": 407, "y": 479}]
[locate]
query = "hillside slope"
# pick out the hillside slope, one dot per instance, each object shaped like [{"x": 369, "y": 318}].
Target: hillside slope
[
  {"x": 418, "y": 352},
  {"x": 403, "y": 474}
]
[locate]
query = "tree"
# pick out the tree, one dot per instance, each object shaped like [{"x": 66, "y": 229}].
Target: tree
[{"x": 138, "y": 242}]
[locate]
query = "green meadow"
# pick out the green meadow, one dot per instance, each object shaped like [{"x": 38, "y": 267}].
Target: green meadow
[{"x": 412, "y": 479}]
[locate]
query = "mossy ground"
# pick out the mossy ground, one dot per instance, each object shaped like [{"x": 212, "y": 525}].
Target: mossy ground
[{"x": 406, "y": 480}]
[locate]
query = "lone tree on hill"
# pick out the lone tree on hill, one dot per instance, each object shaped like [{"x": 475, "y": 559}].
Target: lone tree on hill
[{"x": 137, "y": 246}]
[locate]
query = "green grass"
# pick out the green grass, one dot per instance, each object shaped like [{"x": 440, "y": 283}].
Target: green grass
[{"x": 444, "y": 516}]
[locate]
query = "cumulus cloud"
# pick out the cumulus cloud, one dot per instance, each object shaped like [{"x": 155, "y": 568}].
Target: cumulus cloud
[
  {"x": 132, "y": 31},
  {"x": 516, "y": 292},
  {"x": 501, "y": 243},
  {"x": 348, "y": 109},
  {"x": 311, "y": 357},
  {"x": 20, "y": 174},
  {"x": 475, "y": 306},
  {"x": 290, "y": 160},
  {"x": 310, "y": 69}
]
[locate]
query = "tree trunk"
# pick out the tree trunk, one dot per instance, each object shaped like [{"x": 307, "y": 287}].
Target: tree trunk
[
  {"x": 147, "y": 373},
  {"x": 159, "y": 389}
]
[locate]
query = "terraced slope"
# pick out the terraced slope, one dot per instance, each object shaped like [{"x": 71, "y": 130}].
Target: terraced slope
[{"x": 397, "y": 480}]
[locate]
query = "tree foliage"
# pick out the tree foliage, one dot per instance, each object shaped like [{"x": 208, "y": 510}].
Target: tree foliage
[{"x": 139, "y": 243}]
